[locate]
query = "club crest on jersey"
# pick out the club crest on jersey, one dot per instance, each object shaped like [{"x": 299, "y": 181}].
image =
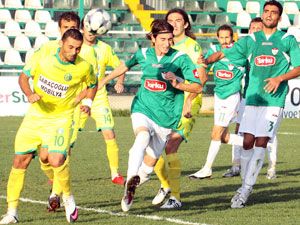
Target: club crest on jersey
[
  {"x": 264, "y": 60},
  {"x": 274, "y": 51},
  {"x": 230, "y": 66},
  {"x": 68, "y": 77},
  {"x": 224, "y": 74},
  {"x": 196, "y": 74},
  {"x": 155, "y": 85}
]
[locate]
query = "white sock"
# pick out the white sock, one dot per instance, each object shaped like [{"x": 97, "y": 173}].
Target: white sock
[
  {"x": 272, "y": 153},
  {"x": 144, "y": 172},
  {"x": 213, "y": 150},
  {"x": 245, "y": 158},
  {"x": 235, "y": 139},
  {"x": 236, "y": 155},
  {"x": 255, "y": 164},
  {"x": 136, "y": 153},
  {"x": 12, "y": 212}
]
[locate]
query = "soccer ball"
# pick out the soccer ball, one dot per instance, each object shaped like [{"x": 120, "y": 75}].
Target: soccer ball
[{"x": 97, "y": 21}]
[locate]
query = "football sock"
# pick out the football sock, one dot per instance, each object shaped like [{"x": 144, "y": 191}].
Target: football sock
[
  {"x": 245, "y": 158},
  {"x": 112, "y": 151},
  {"x": 161, "y": 172},
  {"x": 254, "y": 166},
  {"x": 136, "y": 153},
  {"x": 174, "y": 174},
  {"x": 145, "y": 172},
  {"x": 272, "y": 153},
  {"x": 62, "y": 174},
  {"x": 236, "y": 155},
  {"x": 56, "y": 187},
  {"x": 213, "y": 150},
  {"x": 235, "y": 139},
  {"x": 14, "y": 187},
  {"x": 47, "y": 169}
]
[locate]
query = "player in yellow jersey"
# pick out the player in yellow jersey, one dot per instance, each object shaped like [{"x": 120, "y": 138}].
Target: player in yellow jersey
[
  {"x": 48, "y": 123},
  {"x": 169, "y": 171},
  {"x": 101, "y": 111}
]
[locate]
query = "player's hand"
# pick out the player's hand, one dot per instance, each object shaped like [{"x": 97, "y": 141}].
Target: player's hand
[
  {"x": 33, "y": 98},
  {"x": 119, "y": 87},
  {"x": 172, "y": 78},
  {"x": 187, "y": 108},
  {"x": 272, "y": 84},
  {"x": 85, "y": 109}
]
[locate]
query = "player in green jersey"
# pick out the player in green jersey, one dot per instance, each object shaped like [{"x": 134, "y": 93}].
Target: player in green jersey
[
  {"x": 157, "y": 107},
  {"x": 48, "y": 123},
  {"x": 271, "y": 53},
  {"x": 168, "y": 170},
  {"x": 227, "y": 78}
]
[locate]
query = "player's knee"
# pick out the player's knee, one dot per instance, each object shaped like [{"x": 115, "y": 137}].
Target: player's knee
[
  {"x": 248, "y": 144},
  {"x": 22, "y": 161},
  {"x": 56, "y": 160},
  {"x": 173, "y": 144},
  {"x": 108, "y": 134}
]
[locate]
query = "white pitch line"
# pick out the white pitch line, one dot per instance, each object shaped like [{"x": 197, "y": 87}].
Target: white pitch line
[{"x": 103, "y": 211}]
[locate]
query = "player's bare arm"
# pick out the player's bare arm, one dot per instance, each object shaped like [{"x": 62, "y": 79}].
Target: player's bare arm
[
  {"x": 24, "y": 85},
  {"x": 272, "y": 84},
  {"x": 120, "y": 70},
  {"x": 119, "y": 86},
  {"x": 87, "y": 102},
  {"x": 202, "y": 75}
]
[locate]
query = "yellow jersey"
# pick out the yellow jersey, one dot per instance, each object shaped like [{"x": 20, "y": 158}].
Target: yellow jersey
[{"x": 58, "y": 83}]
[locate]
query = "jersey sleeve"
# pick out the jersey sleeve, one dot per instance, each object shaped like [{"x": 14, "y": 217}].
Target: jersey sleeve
[
  {"x": 112, "y": 59},
  {"x": 238, "y": 50},
  {"x": 91, "y": 77},
  {"x": 188, "y": 69},
  {"x": 133, "y": 60},
  {"x": 294, "y": 52}
]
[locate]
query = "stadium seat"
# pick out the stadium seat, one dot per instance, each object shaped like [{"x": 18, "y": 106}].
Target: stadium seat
[
  {"x": 63, "y": 4},
  {"x": 119, "y": 5},
  {"x": 34, "y": 4},
  {"x": 32, "y": 29},
  {"x": 1, "y": 63},
  {"x": 222, "y": 19},
  {"x": 296, "y": 21},
  {"x": 203, "y": 19},
  {"x": 129, "y": 18},
  {"x": 294, "y": 31},
  {"x": 141, "y": 31},
  {"x": 211, "y": 6},
  {"x": 22, "y": 43},
  {"x": 102, "y": 4},
  {"x": 13, "y": 4},
  {"x": 12, "y": 57},
  {"x": 192, "y": 5},
  {"x": 5, "y": 15},
  {"x": 253, "y": 7},
  {"x": 4, "y": 42},
  {"x": 12, "y": 28},
  {"x": 28, "y": 55},
  {"x": 51, "y": 29},
  {"x": 22, "y": 16},
  {"x": 146, "y": 44},
  {"x": 290, "y": 8},
  {"x": 40, "y": 40},
  {"x": 243, "y": 19},
  {"x": 131, "y": 46},
  {"x": 175, "y": 4},
  {"x": 42, "y": 16},
  {"x": 234, "y": 7},
  {"x": 1, "y": 5},
  {"x": 284, "y": 23},
  {"x": 117, "y": 46}
]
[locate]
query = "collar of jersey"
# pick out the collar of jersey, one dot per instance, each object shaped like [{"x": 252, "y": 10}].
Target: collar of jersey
[{"x": 59, "y": 60}]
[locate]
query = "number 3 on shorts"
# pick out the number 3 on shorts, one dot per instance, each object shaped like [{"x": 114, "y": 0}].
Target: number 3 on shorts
[{"x": 271, "y": 123}]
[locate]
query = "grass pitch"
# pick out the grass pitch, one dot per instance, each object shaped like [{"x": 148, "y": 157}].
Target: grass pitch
[{"x": 274, "y": 202}]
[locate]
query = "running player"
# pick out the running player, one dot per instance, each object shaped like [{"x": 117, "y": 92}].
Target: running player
[
  {"x": 169, "y": 171},
  {"x": 227, "y": 79},
  {"x": 157, "y": 107},
  {"x": 271, "y": 53},
  {"x": 48, "y": 123}
]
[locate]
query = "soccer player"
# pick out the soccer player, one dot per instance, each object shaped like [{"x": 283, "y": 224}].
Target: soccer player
[
  {"x": 271, "y": 53},
  {"x": 169, "y": 171},
  {"x": 157, "y": 107},
  {"x": 227, "y": 78},
  {"x": 48, "y": 123},
  {"x": 101, "y": 111}
]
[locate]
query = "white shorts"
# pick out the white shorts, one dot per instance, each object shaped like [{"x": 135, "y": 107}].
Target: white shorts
[
  {"x": 159, "y": 135},
  {"x": 261, "y": 121},
  {"x": 241, "y": 110},
  {"x": 226, "y": 109}
]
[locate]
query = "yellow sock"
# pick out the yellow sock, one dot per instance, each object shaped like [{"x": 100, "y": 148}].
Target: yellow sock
[
  {"x": 14, "y": 187},
  {"x": 47, "y": 169},
  {"x": 174, "y": 174},
  {"x": 161, "y": 172},
  {"x": 112, "y": 151},
  {"x": 61, "y": 182}
]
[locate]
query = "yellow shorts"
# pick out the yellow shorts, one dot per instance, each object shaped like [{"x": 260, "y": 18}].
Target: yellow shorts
[
  {"x": 186, "y": 124},
  {"x": 100, "y": 112},
  {"x": 37, "y": 131}
]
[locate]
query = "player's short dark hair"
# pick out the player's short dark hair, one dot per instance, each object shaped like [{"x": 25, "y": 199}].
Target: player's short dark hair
[
  {"x": 275, "y": 3},
  {"x": 188, "y": 31},
  {"x": 159, "y": 26},
  {"x": 225, "y": 27},
  {"x": 255, "y": 20},
  {"x": 69, "y": 16},
  {"x": 73, "y": 33}
]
